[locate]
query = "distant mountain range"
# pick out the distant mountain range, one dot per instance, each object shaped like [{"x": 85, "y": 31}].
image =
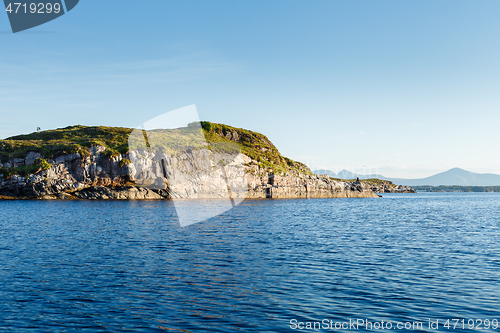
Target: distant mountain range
[
  {"x": 345, "y": 174},
  {"x": 455, "y": 176}
]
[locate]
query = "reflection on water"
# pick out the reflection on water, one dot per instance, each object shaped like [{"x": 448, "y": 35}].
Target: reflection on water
[{"x": 120, "y": 266}]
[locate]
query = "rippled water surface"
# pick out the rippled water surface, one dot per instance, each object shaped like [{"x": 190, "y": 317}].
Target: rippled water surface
[{"x": 128, "y": 266}]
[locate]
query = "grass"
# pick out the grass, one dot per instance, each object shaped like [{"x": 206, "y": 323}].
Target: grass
[
  {"x": 256, "y": 146},
  {"x": 78, "y": 139},
  {"x": 124, "y": 161},
  {"x": 68, "y": 140}
]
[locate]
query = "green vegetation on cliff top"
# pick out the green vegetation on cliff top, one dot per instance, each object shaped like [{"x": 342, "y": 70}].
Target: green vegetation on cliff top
[
  {"x": 78, "y": 139},
  {"x": 63, "y": 141}
]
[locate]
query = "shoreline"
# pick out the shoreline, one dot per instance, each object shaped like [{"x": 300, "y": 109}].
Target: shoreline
[
  {"x": 229, "y": 162},
  {"x": 123, "y": 194}
]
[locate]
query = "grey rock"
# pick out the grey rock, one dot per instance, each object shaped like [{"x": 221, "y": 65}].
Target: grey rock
[
  {"x": 155, "y": 176},
  {"x": 32, "y": 157},
  {"x": 97, "y": 150},
  {"x": 18, "y": 162},
  {"x": 118, "y": 193},
  {"x": 66, "y": 158}
]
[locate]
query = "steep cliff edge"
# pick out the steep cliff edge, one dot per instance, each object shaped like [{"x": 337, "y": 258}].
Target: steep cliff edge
[{"x": 96, "y": 163}]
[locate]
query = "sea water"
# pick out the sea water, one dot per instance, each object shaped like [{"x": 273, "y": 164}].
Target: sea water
[{"x": 264, "y": 266}]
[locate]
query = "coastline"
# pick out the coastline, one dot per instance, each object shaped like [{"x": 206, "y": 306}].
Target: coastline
[
  {"x": 223, "y": 162},
  {"x": 99, "y": 177}
]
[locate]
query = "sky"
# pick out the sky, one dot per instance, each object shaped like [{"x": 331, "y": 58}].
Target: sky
[{"x": 401, "y": 88}]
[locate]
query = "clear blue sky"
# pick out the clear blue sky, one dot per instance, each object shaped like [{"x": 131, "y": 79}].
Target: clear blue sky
[{"x": 403, "y": 88}]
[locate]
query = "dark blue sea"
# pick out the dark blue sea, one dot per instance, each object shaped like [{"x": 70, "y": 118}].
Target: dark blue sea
[{"x": 264, "y": 266}]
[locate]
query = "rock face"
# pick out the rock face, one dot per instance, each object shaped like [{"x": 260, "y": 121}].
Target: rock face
[
  {"x": 389, "y": 187},
  {"x": 266, "y": 185},
  {"x": 154, "y": 176}
]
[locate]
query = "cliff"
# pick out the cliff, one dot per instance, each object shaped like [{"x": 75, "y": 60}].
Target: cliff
[{"x": 104, "y": 163}]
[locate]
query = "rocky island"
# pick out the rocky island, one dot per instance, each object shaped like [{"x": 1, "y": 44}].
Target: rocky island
[
  {"x": 81, "y": 162},
  {"x": 386, "y": 186}
]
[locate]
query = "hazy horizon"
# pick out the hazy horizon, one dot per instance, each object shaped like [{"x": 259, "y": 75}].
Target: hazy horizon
[
  {"x": 359, "y": 170},
  {"x": 408, "y": 89},
  {"x": 389, "y": 176}
]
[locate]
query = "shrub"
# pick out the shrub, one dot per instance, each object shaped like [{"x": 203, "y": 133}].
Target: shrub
[
  {"x": 43, "y": 164},
  {"x": 124, "y": 162}
]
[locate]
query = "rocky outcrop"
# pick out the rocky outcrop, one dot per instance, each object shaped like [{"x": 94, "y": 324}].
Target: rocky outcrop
[
  {"x": 142, "y": 175},
  {"x": 119, "y": 193},
  {"x": 268, "y": 185},
  {"x": 389, "y": 187}
]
